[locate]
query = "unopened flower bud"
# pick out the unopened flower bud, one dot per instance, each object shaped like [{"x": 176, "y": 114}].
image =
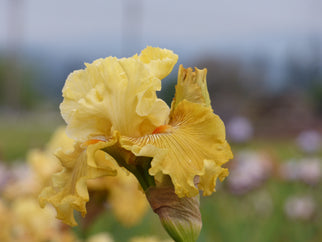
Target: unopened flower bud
[{"x": 179, "y": 216}]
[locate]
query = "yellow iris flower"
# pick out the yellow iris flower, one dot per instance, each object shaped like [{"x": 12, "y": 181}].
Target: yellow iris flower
[{"x": 111, "y": 106}]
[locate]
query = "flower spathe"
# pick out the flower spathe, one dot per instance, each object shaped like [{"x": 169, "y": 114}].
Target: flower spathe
[{"x": 112, "y": 106}]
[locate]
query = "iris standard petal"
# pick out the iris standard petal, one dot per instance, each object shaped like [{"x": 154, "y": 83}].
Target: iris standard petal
[
  {"x": 117, "y": 94},
  {"x": 159, "y": 61},
  {"x": 191, "y": 86}
]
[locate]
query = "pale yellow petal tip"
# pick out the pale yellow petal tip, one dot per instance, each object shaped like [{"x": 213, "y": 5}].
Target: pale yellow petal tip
[
  {"x": 160, "y": 61},
  {"x": 191, "y": 86}
]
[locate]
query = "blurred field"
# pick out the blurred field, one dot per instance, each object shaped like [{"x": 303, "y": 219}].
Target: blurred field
[
  {"x": 264, "y": 73},
  {"x": 255, "y": 215},
  {"x": 233, "y": 218},
  {"x": 20, "y": 132}
]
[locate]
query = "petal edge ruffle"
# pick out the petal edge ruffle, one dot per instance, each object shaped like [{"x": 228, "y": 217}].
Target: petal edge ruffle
[
  {"x": 183, "y": 152},
  {"x": 69, "y": 190}
]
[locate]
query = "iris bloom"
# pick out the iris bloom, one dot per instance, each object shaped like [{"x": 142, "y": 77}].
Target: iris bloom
[{"x": 111, "y": 106}]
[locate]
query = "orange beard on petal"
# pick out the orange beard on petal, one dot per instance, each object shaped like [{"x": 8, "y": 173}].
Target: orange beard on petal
[{"x": 162, "y": 129}]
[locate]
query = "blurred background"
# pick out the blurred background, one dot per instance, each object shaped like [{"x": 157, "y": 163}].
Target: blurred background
[{"x": 264, "y": 61}]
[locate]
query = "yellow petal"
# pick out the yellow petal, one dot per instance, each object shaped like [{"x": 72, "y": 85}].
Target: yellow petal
[
  {"x": 60, "y": 139},
  {"x": 117, "y": 94},
  {"x": 207, "y": 182},
  {"x": 69, "y": 189},
  {"x": 193, "y": 136},
  {"x": 191, "y": 86},
  {"x": 159, "y": 61}
]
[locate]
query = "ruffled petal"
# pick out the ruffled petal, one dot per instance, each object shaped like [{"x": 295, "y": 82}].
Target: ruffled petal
[
  {"x": 194, "y": 138},
  {"x": 69, "y": 189},
  {"x": 159, "y": 61},
  {"x": 117, "y": 94},
  {"x": 207, "y": 182}
]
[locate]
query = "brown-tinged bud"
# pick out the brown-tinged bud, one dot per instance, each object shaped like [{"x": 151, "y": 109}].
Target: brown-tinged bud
[{"x": 179, "y": 216}]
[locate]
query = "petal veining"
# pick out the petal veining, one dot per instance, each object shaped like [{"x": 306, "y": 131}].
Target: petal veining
[{"x": 197, "y": 135}]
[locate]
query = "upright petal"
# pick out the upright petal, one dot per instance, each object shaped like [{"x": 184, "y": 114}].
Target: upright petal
[
  {"x": 117, "y": 94},
  {"x": 191, "y": 86},
  {"x": 159, "y": 61}
]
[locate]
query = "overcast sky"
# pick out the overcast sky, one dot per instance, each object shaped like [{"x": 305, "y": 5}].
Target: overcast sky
[{"x": 116, "y": 27}]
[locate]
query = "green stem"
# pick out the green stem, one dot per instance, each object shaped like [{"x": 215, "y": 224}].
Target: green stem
[{"x": 139, "y": 166}]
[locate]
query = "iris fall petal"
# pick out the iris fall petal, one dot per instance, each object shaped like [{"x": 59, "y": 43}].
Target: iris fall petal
[
  {"x": 69, "y": 189},
  {"x": 194, "y": 137}
]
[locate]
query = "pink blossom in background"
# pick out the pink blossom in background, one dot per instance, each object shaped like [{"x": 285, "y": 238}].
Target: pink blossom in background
[
  {"x": 249, "y": 170},
  {"x": 239, "y": 129},
  {"x": 300, "y": 207},
  {"x": 308, "y": 170},
  {"x": 309, "y": 141}
]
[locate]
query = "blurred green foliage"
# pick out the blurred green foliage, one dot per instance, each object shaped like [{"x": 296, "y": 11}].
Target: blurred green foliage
[
  {"x": 22, "y": 132},
  {"x": 316, "y": 97},
  {"x": 21, "y": 77}
]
